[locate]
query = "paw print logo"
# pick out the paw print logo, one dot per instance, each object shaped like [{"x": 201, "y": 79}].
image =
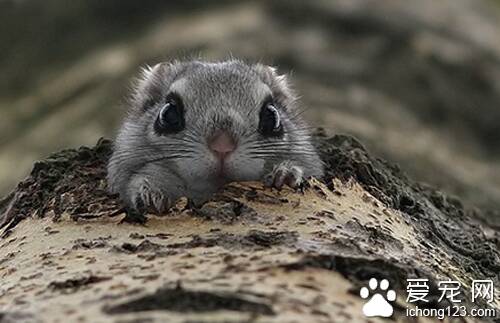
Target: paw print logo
[{"x": 378, "y": 304}]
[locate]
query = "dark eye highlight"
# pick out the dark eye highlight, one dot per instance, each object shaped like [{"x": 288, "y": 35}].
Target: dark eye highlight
[
  {"x": 171, "y": 116},
  {"x": 269, "y": 120}
]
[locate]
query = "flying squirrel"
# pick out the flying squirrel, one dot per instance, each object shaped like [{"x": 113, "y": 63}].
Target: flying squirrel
[{"x": 194, "y": 126}]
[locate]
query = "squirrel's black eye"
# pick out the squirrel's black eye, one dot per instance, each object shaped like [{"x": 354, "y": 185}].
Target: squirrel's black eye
[
  {"x": 171, "y": 116},
  {"x": 270, "y": 122}
]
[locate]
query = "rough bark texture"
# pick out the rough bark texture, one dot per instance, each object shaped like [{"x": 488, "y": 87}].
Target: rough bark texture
[{"x": 68, "y": 252}]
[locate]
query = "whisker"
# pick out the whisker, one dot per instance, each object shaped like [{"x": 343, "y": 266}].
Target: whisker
[
  {"x": 145, "y": 152},
  {"x": 152, "y": 159},
  {"x": 283, "y": 144},
  {"x": 149, "y": 148},
  {"x": 283, "y": 153},
  {"x": 298, "y": 113}
]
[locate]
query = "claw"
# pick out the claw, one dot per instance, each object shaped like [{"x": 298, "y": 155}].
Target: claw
[
  {"x": 148, "y": 200},
  {"x": 284, "y": 174}
]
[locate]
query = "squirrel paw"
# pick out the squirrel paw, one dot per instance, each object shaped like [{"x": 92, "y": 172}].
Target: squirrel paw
[
  {"x": 284, "y": 173},
  {"x": 149, "y": 200}
]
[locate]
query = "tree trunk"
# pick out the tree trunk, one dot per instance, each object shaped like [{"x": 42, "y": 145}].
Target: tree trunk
[{"x": 68, "y": 252}]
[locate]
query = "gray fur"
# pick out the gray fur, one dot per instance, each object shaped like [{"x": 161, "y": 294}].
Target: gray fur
[{"x": 149, "y": 171}]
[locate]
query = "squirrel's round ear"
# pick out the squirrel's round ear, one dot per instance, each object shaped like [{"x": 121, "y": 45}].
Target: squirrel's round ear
[
  {"x": 147, "y": 86},
  {"x": 149, "y": 73},
  {"x": 270, "y": 75},
  {"x": 278, "y": 83},
  {"x": 152, "y": 84}
]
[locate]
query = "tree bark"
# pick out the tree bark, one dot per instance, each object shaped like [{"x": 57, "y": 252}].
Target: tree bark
[{"x": 68, "y": 251}]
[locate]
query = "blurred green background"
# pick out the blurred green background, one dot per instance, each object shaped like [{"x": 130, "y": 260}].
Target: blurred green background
[{"x": 418, "y": 82}]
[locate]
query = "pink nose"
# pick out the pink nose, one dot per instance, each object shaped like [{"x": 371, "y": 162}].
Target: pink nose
[{"x": 222, "y": 144}]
